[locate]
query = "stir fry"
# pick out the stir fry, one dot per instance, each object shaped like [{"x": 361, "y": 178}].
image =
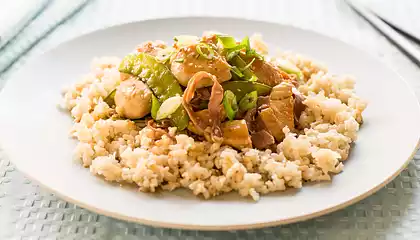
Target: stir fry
[{"x": 214, "y": 87}]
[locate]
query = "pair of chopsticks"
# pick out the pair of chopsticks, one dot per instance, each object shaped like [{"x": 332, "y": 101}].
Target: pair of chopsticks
[{"x": 394, "y": 33}]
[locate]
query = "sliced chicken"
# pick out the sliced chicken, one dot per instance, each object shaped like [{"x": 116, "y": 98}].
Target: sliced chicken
[
  {"x": 267, "y": 73},
  {"x": 280, "y": 111},
  {"x": 267, "y": 120},
  {"x": 235, "y": 134},
  {"x": 282, "y": 103}
]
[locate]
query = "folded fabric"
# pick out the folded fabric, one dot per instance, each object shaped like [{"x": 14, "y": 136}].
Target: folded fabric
[
  {"x": 16, "y": 15},
  {"x": 55, "y": 13}
]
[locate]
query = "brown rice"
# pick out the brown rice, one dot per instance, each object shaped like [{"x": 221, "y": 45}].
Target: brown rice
[{"x": 120, "y": 151}]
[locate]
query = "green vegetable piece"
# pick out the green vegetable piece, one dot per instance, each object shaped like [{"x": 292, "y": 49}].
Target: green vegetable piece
[
  {"x": 245, "y": 42},
  {"x": 250, "y": 52},
  {"x": 126, "y": 65},
  {"x": 253, "y": 53},
  {"x": 248, "y": 101},
  {"x": 233, "y": 48},
  {"x": 253, "y": 79},
  {"x": 236, "y": 71},
  {"x": 159, "y": 79},
  {"x": 208, "y": 54},
  {"x": 110, "y": 98},
  {"x": 230, "y": 104},
  {"x": 232, "y": 52},
  {"x": 155, "y": 106},
  {"x": 227, "y": 41},
  {"x": 238, "y": 62},
  {"x": 168, "y": 107},
  {"x": 241, "y": 88},
  {"x": 248, "y": 65}
]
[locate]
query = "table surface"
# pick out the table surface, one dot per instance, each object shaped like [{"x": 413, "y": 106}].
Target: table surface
[{"x": 29, "y": 212}]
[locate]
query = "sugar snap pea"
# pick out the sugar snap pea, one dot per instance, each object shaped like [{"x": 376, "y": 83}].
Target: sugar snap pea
[{"x": 159, "y": 79}]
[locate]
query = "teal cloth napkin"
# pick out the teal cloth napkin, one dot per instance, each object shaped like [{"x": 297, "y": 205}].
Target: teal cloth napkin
[
  {"x": 16, "y": 15},
  {"x": 55, "y": 13}
]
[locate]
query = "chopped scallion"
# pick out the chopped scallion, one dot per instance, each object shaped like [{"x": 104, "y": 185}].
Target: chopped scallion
[
  {"x": 230, "y": 104},
  {"x": 248, "y": 101},
  {"x": 168, "y": 107},
  {"x": 210, "y": 52},
  {"x": 227, "y": 41},
  {"x": 245, "y": 42}
]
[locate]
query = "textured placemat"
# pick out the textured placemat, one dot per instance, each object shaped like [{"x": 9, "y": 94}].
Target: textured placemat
[{"x": 28, "y": 212}]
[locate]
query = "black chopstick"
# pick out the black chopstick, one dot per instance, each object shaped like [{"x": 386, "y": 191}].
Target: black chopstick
[
  {"x": 401, "y": 42},
  {"x": 399, "y": 29}
]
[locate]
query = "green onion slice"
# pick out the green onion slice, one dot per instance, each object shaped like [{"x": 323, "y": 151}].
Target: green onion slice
[
  {"x": 230, "y": 104},
  {"x": 168, "y": 107},
  {"x": 201, "y": 46},
  {"x": 245, "y": 42},
  {"x": 248, "y": 101},
  {"x": 227, "y": 41}
]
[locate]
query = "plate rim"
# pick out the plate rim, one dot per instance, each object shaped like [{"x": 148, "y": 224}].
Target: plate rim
[{"x": 263, "y": 224}]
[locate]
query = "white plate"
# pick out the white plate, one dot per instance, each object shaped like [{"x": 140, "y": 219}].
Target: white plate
[{"x": 35, "y": 134}]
